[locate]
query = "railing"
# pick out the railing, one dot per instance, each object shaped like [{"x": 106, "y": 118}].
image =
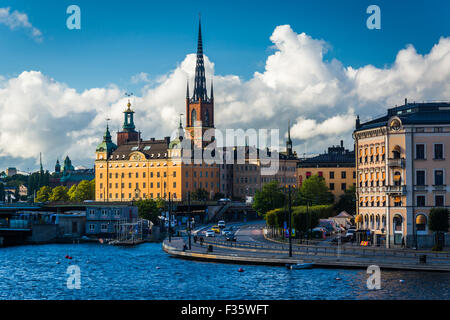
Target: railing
[
  {"x": 15, "y": 224},
  {"x": 399, "y": 163},
  {"x": 332, "y": 251},
  {"x": 396, "y": 189}
]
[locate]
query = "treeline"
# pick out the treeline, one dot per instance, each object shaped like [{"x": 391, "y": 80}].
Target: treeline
[{"x": 85, "y": 190}]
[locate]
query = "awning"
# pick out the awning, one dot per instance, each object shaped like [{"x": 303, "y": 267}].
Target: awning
[
  {"x": 421, "y": 219},
  {"x": 359, "y": 218},
  {"x": 384, "y": 176},
  {"x": 397, "y": 177},
  {"x": 382, "y": 150},
  {"x": 398, "y": 199}
]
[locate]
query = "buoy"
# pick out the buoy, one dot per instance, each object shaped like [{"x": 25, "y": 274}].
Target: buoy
[
  {"x": 67, "y": 256},
  {"x": 241, "y": 270},
  {"x": 338, "y": 279},
  {"x": 57, "y": 262},
  {"x": 157, "y": 267},
  {"x": 402, "y": 280}
]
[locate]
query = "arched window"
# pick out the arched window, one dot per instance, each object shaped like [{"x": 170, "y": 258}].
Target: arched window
[
  {"x": 194, "y": 118},
  {"x": 377, "y": 222},
  {"x": 421, "y": 222},
  {"x": 397, "y": 178},
  {"x": 397, "y": 223}
]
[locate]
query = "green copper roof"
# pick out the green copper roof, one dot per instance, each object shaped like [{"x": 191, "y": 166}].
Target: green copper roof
[{"x": 107, "y": 144}]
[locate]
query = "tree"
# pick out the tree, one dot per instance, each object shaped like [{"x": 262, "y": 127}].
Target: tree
[
  {"x": 218, "y": 196},
  {"x": 270, "y": 197},
  {"x": 2, "y": 192},
  {"x": 314, "y": 191},
  {"x": 148, "y": 209},
  {"x": 438, "y": 220},
  {"x": 84, "y": 191},
  {"x": 200, "y": 195},
  {"x": 72, "y": 192},
  {"x": 59, "y": 193},
  {"x": 43, "y": 194},
  {"x": 347, "y": 201}
]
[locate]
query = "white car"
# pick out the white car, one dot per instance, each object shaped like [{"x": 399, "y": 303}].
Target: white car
[
  {"x": 210, "y": 233},
  {"x": 221, "y": 224}
]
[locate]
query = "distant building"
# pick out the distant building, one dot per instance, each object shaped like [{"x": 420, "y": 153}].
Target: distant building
[
  {"x": 11, "y": 171},
  {"x": 337, "y": 167},
  {"x": 23, "y": 190},
  {"x": 102, "y": 220},
  {"x": 69, "y": 176}
]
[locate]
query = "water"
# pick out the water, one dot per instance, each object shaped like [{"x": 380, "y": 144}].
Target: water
[{"x": 146, "y": 272}]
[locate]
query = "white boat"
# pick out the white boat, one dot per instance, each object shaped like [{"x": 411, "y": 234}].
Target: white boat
[{"x": 303, "y": 265}]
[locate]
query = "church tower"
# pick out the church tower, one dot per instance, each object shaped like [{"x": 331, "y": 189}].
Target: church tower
[
  {"x": 129, "y": 132},
  {"x": 199, "y": 107}
]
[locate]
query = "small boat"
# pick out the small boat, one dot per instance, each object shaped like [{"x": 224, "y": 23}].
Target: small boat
[{"x": 303, "y": 265}]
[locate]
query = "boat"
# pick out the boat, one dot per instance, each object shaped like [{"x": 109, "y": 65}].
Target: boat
[{"x": 303, "y": 265}]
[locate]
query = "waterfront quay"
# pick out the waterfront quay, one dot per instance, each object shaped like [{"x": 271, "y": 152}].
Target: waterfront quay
[{"x": 253, "y": 247}]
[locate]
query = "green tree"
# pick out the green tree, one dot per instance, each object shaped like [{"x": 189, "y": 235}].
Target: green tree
[
  {"x": 200, "y": 195},
  {"x": 43, "y": 194},
  {"x": 218, "y": 196},
  {"x": 438, "y": 220},
  {"x": 148, "y": 209},
  {"x": 347, "y": 201},
  {"x": 270, "y": 197},
  {"x": 314, "y": 191},
  {"x": 84, "y": 191},
  {"x": 72, "y": 192},
  {"x": 59, "y": 193}
]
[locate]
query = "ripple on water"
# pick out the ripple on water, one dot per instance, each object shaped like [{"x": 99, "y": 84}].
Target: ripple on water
[{"x": 109, "y": 272}]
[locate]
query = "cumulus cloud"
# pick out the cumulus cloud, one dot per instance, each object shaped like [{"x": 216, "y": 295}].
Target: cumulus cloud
[
  {"x": 321, "y": 98},
  {"x": 18, "y": 20}
]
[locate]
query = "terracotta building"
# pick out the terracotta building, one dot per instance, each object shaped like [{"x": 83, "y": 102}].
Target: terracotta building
[{"x": 402, "y": 172}]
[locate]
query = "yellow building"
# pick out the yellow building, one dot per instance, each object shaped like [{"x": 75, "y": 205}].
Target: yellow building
[
  {"x": 337, "y": 167},
  {"x": 137, "y": 169}
]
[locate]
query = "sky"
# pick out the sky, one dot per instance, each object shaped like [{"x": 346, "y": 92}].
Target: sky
[{"x": 314, "y": 63}]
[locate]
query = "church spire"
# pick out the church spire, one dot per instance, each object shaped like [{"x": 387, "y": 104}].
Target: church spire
[
  {"x": 187, "y": 89},
  {"x": 200, "y": 79},
  {"x": 212, "y": 89}
]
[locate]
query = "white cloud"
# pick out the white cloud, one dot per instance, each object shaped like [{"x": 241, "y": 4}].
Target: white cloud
[
  {"x": 320, "y": 98},
  {"x": 18, "y": 20}
]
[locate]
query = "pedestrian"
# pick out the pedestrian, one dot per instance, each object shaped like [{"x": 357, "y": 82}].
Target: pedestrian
[
  {"x": 201, "y": 241},
  {"x": 403, "y": 242}
]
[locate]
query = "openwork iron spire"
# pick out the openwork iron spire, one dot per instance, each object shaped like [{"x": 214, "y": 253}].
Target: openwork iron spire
[{"x": 200, "y": 79}]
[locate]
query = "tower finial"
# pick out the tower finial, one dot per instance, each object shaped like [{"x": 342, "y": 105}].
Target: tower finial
[
  {"x": 200, "y": 91},
  {"x": 187, "y": 88}
]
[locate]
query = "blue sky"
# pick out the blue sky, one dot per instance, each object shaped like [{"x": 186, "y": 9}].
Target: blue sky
[
  {"x": 314, "y": 63},
  {"x": 121, "y": 38}
]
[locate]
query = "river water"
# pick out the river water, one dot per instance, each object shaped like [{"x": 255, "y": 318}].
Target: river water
[{"x": 146, "y": 272}]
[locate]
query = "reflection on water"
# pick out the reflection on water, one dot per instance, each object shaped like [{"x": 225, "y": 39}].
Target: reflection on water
[{"x": 146, "y": 272}]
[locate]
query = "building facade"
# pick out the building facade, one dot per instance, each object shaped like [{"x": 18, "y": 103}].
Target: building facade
[
  {"x": 103, "y": 220},
  {"x": 149, "y": 169},
  {"x": 402, "y": 171},
  {"x": 337, "y": 167}
]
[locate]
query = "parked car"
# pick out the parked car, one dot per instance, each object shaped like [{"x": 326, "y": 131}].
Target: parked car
[
  {"x": 210, "y": 233},
  {"x": 221, "y": 224}
]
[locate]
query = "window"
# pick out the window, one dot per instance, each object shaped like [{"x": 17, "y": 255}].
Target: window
[
  {"x": 151, "y": 174},
  {"x": 343, "y": 174},
  {"x": 104, "y": 212},
  {"x": 343, "y": 186},
  {"x": 157, "y": 174},
  {"x": 151, "y": 184},
  {"x": 438, "y": 129},
  {"x": 92, "y": 227},
  {"x": 420, "y": 151},
  {"x": 320, "y": 173},
  {"x": 354, "y": 174},
  {"x": 129, "y": 185},
  {"x": 438, "y": 177},
  {"x": 174, "y": 184},
  {"x": 420, "y": 201},
  {"x": 101, "y": 185},
  {"x": 104, "y": 227},
  {"x": 420, "y": 177},
  {"x": 101, "y": 175},
  {"x": 137, "y": 175},
  {"x": 420, "y": 129},
  {"x": 143, "y": 174},
  {"x": 331, "y": 186},
  {"x": 331, "y": 174},
  {"x": 129, "y": 174},
  {"x": 174, "y": 174},
  {"x": 438, "y": 151},
  {"x": 439, "y": 200}
]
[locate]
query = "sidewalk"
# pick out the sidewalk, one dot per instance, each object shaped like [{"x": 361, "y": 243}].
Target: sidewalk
[{"x": 238, "y": 255}]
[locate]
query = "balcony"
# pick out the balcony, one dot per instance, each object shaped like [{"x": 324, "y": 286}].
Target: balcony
[
  {"x": 440, "y": 187},
  {"x": 396, "y": 189},
  {"x": 396, "y": 163}
]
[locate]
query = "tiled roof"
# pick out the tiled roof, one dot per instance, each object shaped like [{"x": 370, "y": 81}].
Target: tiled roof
[{"x": 152, "y": 149}]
